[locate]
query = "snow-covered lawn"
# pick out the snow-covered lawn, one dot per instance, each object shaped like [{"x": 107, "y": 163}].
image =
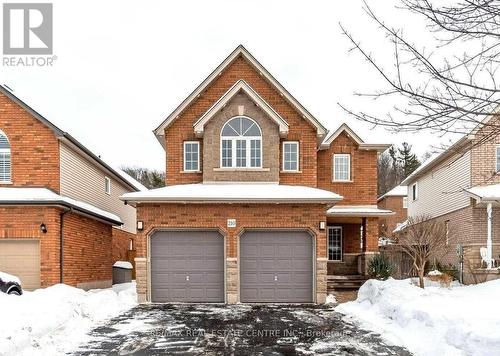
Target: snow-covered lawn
[
  {"x": 54, "y": 320},
  {"x": 461, "y": 320}
]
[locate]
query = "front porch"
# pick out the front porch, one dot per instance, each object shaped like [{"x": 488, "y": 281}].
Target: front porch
[{"x": 352, "y": 240}]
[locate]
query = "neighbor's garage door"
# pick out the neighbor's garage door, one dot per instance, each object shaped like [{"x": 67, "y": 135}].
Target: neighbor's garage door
[
  {"x": 276, "y": 266},
  {"x": 187, "y": 266},
  {"x": 21, "y": 257}
]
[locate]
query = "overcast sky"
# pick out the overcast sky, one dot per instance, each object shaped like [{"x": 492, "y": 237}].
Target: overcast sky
[{"x": 123, "y": 65}]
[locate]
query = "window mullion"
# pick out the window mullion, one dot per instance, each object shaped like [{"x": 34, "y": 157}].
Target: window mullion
[
  {"x": 233, "y": 153},
  {"x": 248, "y": 149}
]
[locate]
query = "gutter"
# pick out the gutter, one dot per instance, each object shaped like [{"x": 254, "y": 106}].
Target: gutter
[{"x": 63, "y": 204}]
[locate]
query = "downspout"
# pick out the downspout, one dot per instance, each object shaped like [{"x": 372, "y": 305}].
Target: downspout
[
  {"x": 61, "y": 244},
  {"x": 489, "y": 246}
]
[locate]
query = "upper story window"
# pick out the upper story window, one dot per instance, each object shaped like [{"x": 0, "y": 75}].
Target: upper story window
[
  {"x": 498, "y": 158},
  {"x": 191, "y": 156},
  {"x": 341, "y": 167},
  {"x": 5, "y": 162},
  {"x": 241, "y": 144},
  {"x": 107, "y": 185},
  {"x": 414, "y": 191},
  {"x": 290, "y": 156},
  {"x": 405, "y": 202}
]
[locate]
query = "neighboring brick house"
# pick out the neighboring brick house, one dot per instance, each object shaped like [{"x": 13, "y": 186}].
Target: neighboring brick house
[
  {"x": 395, "y": 200},
  {"x": 461, "y": 187},
  {"x": 53, "y": 192},
  {"x": 261, "y": 203}
]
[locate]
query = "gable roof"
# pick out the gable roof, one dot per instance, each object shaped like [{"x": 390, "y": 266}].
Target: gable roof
[
  {"x": 350, "y": 133},
  {"x": 67, "y": 138},
  {"x": 397, "y": 191},
  {"x": 240, "y": 51},
  {"x": 240, "y": 86}
]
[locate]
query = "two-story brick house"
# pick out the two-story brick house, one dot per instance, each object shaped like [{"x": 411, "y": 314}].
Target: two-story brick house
[
  {"x": 461, "y": 188},
  {"x": 261, "y": 203},
  {"x": 61, "y": 219}
]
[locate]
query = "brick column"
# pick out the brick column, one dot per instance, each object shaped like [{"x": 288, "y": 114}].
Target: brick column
[
  {"x": 321, "y": 280},
  {"x": 141, "y": 279},
  {"x": 232, "y": 277}
]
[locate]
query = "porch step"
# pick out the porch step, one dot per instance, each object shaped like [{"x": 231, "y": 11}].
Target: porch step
[{"x": 336, "y": 282}]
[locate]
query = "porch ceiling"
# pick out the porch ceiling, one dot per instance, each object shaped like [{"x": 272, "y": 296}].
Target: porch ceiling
[{"x": 357, "y": 211}]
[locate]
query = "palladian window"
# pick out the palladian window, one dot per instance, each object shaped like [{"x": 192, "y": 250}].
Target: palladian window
[
  {"x": 241, "y": 144},
  {"x": 5, "y": 164}
]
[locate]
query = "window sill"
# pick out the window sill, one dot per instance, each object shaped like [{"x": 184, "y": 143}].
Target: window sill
[
  {"x": 342, "y": 181},
  {"x": 334, "y": 261},
  {"x": 242, "y": 169},
  {"x": 293, "y": 172},
  {"x": 185, "y": 172},
  {"x": 6, "y": 183}
]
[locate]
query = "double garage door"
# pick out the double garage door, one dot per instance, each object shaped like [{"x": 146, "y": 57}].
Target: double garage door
[
  {"x": 275, "y": 267},
  {"x": 21, "y": 257}
]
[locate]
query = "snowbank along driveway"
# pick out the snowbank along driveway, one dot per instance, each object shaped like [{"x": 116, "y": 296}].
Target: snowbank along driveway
[{"x": 240, "y": 329}]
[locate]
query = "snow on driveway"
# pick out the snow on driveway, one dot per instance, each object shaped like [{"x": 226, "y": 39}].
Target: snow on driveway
[
  {"x": 461, "y": 320},
  {"x": 242, "y": 329},
  {"x": 54, "y": 320}
]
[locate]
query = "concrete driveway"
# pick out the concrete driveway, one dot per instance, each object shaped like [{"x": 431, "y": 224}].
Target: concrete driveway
[{"x": 187, "y": 329}]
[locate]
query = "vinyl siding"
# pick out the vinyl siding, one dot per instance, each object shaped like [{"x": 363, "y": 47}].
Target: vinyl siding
[
  {"x": 440, "y": 191},
  {"x": 82, "y": 180}
]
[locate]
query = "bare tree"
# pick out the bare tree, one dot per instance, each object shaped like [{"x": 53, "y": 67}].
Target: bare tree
[
  {"x": 449, "y": 86},
  {"x": 423, "y": 240},
  {"x": 151, "y": 179}
]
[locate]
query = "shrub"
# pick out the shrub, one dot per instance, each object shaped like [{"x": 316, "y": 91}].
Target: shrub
[
  {"x": 380, "y": 267},
  {"x": 449, "y": 269}
]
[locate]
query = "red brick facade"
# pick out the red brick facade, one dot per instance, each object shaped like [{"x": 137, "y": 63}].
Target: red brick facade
[
  {"x": 388, "y": 224},
  {"x": 121, "y": 244},
  {"x": 87, "y": 244},
  {"x": 34, "y": 147}
]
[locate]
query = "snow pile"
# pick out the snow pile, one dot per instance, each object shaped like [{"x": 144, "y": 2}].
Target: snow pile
[
  {"x": 462, "y": 320},
  {"x": 330, "y": 299},
  {"x": 9, "y": 278},
  {"x": 54, "y": 320},
  {"x": 434, "y": 272}
]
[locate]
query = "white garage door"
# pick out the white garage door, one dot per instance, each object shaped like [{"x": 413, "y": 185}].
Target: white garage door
[{"x": 21, "y": 257}]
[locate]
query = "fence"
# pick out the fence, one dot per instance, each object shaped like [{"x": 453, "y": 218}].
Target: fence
[{"x": 403, "y": 265}]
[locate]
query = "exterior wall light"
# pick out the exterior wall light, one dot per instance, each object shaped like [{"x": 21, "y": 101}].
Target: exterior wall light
[
  {"x": 43, "y": 228},
  {"x": 322, "y": 225},
  {"x": 140, "y": 226}
]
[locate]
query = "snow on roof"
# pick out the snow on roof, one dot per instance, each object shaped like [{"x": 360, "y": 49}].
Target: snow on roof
[
  {"x": 357, "y": 211},
  {"x": 46, "y": 196},
  {"x": 135, "y": 183},
  {"x": 398, "y": 191},
  {"x": 485, "y": 192},
  {"x": 401, "y": 226},
  {"x": 238, "y": 192}
]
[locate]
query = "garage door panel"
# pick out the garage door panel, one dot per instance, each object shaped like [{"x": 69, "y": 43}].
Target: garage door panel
[
  {"x": 175, "y": 255},
  {"x": 283, "y": 269},
  {"x": 21, "y": 257}
]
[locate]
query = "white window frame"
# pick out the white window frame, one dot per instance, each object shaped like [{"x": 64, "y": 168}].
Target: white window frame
[
  {"x": 405, "y": 202},
  {"x": 8, "y": 152},
  {"x": 328, "y": 243},
  {"x": 248, "y": 147},
  {"x": 349, "y": 178},
  {"x": 447, "y": 231},
  {"x": 497, "y": 149},
  {"x": 197, "y": 143},
  {"x": 107, "y": 185},
  {"x": 414, "y": 191},
  {"x": 296, "y": 144}
]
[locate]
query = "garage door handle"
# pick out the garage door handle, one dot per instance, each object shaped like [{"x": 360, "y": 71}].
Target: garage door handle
[
  {"x": 276, "y": 278},
  {"x": 187, "y": 278}
]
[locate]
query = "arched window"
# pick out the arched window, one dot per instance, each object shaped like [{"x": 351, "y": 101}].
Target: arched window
[
  {"x": 5, "y": 166},
  {"x": 241, "y": 144}
]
